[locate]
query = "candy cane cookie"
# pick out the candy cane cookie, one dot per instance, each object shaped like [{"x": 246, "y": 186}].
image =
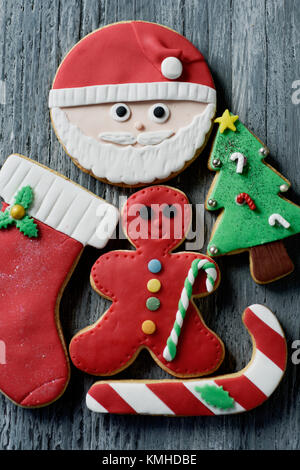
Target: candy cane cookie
[{"x": 226, "y": 394}]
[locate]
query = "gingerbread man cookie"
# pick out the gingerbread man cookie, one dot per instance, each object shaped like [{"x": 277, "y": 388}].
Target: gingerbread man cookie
[{"x": 151, "y": 289}]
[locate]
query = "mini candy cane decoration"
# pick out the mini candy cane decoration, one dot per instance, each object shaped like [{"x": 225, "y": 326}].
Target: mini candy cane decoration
[
  {"x": 244, "y": 197},
  {"x": 186, "y": 294},
  {"x": 278, "y": 218},
  {"x": 241, "y": 161}
]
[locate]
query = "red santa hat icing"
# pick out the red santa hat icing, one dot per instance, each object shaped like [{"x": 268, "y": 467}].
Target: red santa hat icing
[{"x": 132, "y": 61}]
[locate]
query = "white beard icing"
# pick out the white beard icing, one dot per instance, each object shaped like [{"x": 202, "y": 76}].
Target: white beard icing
[{"x": 131, "y": 165}]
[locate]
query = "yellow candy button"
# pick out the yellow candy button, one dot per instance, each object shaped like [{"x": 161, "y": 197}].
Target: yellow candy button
[
  {"x": 17, "y": 212},
  {"x": 153, "y": 285},
  {"x": 148, "y": 327}
]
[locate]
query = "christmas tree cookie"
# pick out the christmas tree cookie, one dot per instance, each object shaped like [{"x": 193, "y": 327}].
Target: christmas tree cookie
[{"x": 255, "y": 216}]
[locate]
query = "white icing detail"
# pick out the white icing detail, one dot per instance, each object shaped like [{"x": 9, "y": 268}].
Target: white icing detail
[
  {"x": 58, "y": 202},
  {"x": 93, "y": 405},
  {"x": 82, "y": 96},
  {"x": 184, "y": 299},
  {"x": 114, "y": 115},
  {"x": 264, "y": 373},
  {"x": 141, "y": 398},
  {"x": 2, "y": 353},
  {"x": 237, "y": 408},
  {"x": 132, "y": 165},
  {"x": 159, "y": 119},
  {"x": 264, "y": 314},
  {"x": 241, "y": 161},
  {"x": 121, "y": 138},
  {"x": 166, "y": 354},
  {"x": 153, "y": 138},
  {"x": 279, "y": 219},
  {"x": 174, "y": 337},
  {"x": 179, "y": 318},
  {"x": 171, "y": 68}
]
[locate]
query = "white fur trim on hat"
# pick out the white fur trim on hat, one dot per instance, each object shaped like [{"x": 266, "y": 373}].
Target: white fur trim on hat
[{"x": 180, "y": 91}]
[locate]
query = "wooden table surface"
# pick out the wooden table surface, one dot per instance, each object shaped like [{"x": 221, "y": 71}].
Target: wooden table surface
[{"x": 253, "y": 49}]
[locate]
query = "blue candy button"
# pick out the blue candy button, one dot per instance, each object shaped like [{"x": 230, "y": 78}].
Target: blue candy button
[{"x": 154, "y": 266}]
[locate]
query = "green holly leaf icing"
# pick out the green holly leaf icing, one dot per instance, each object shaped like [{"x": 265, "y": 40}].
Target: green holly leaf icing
[
  {"x": 24, "y": 197},
  {"x": 216, "y": 396},
  {"x": 5, "y": 219},
  {"x": 28, "y": 227}
]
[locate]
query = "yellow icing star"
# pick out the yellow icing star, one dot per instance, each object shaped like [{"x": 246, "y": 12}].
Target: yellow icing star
[{"x": 226, "y": 121}]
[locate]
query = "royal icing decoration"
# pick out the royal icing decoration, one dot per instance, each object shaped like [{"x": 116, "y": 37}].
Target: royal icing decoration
[
  {"x": 215, "y": 396},
  {"x": 222, "y": 395},
  {"x": 257, "y": 186},
  {"x": 240, "y": 160},
  {"x": 17, "y": 214},
  {"x": 34, "y": 272},
  {"x": 243, "y": 198},
  {"x": 226, "y": 121},
  {"x": 159, "y": 65},
  {"x": 186, "y": 294},
  {"x": 137, "y": 319},
  {"x": 279, "y": 219}
]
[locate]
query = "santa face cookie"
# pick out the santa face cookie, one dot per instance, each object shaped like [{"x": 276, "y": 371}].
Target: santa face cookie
[
  {"x": 132, "y": 103},
  {"x": 46, "y": 221},
  {"x": 152, "y": 289}
]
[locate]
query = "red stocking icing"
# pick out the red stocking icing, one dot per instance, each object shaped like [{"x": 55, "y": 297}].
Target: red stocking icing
[
  {"x": 227, "y": 394},
  {"x": 145, "y": 286},
  {"x": 34, "y": 370}
]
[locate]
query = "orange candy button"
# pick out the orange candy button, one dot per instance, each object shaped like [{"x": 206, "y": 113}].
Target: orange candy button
[
  {"x": 153, "y": 285},
  {"x": 148, "y": 327}
]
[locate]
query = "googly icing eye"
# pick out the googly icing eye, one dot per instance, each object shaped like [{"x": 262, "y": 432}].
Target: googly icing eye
[
  {"x": 146, "y": 212},
  {"x": 169, "y": 211},
  {"x": 120, "y": 112},
  {"x": 159, "y": 112}
]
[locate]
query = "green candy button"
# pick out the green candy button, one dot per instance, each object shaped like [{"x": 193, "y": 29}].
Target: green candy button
[{"x": 152, "y": 303}]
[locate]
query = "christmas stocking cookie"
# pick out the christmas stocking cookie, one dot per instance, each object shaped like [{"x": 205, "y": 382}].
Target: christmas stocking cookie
[
  {"x": 46, "y": 221},
  {"x": 152, "y": 292},
  {"x": 222, "y": 395},
  {"x": 255, "y": 216}
]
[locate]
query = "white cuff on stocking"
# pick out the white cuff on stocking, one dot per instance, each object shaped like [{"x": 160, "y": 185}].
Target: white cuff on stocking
[{"x": 58, "y": 202}]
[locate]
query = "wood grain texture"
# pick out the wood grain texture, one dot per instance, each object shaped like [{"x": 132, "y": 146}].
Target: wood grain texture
[{"x": 253, "y": 48}]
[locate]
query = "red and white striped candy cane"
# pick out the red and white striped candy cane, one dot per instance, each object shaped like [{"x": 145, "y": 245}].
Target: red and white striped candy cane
[{"x": 248, "y": 388}]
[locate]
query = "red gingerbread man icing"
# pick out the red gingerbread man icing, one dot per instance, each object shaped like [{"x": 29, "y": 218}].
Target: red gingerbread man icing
[{"x": 145, "y": 286}]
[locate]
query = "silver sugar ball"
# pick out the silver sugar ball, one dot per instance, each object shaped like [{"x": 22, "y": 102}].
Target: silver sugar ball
[
  {"x": 213, "y": 250},
  {"x": 284, "y": 188},
  {"x": 217, "y": 162},
  {"x": 264, "y": 151},
  {"x": 212, "y": 202}
]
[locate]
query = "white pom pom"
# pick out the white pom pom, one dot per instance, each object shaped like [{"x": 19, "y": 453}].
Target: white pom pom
[{"x": 171, "y": 68}]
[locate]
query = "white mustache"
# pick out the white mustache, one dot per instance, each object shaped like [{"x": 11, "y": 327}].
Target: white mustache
[{"x": 145, "y": 138}]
